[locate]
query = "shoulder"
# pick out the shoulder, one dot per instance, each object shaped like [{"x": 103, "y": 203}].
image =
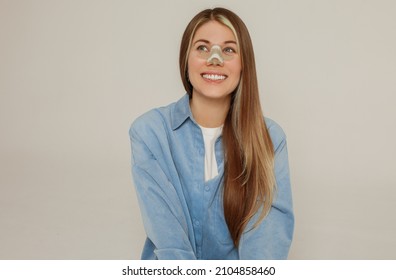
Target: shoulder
[
  {"x": 162, "y": 119},
  {"x": 276, "y": 132},
  {"x": 152, "y": 122}
]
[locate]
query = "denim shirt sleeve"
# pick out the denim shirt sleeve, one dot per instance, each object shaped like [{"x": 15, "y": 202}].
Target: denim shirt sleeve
[
  {"x": 160, "y": 207},
  {"x": 271, "y": 239}
]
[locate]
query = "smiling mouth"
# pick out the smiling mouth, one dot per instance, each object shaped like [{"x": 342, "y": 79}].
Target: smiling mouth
[{"x": 214, "y": 77}]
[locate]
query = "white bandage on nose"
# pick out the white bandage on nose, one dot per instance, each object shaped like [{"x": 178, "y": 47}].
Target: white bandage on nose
[{"x": 215, "y": 56}]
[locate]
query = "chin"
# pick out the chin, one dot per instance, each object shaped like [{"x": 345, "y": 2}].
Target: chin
[{"x": 216, "y": 95}]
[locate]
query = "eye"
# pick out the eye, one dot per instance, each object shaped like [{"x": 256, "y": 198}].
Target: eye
[
  {"x": 229, "y": 50},
  {"x": 202, "y": 48}
]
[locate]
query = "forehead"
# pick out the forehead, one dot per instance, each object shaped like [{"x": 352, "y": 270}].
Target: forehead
[{"x": 214, "y": 32}]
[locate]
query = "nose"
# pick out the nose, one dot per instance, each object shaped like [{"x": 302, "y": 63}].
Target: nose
[{"x": 215, "y": 59}]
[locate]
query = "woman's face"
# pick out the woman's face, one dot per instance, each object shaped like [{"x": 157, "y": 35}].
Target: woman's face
[{"x": 211, "y": 78}]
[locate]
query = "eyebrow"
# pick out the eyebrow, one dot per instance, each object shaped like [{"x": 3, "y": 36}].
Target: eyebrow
[{"x": 207, "y": 42}]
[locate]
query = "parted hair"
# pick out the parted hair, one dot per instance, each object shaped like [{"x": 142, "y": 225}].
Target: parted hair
[{"x": 249, "y": 182}]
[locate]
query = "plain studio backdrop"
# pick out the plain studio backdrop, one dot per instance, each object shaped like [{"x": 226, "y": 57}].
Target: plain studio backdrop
[{"x": 75, "y": 74}]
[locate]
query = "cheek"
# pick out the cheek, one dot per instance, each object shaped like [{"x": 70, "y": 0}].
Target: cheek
[
  {"x": 192, "y": 61},
  {"x": 193, "y": 67},
  {"x": 236, "y": 66},
  {"x": 189, "y": 61}
]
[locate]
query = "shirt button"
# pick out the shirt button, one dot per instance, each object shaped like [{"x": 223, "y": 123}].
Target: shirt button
[
  {"x": 207, "y": 188},
  {"x": 196, "y": 223}
]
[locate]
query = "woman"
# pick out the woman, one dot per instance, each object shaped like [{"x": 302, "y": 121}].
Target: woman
[{"x": 211, "y": 174}]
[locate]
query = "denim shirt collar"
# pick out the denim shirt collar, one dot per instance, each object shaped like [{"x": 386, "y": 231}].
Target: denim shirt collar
[{"x": 181, "y": 111}]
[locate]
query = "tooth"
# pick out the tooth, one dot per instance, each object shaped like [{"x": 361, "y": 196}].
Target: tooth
[{"x": 213, "y": 77}]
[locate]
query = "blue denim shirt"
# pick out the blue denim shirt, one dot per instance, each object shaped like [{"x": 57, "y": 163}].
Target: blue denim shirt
[{"x": 182, "y": 214}]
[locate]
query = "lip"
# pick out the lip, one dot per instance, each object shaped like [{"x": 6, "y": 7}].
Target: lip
[{"x": 213, "y": 73}]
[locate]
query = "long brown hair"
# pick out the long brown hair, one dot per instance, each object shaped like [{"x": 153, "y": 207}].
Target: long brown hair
[{"x": 249, "y": 183}]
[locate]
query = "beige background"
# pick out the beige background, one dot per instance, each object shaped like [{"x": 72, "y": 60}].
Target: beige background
[{"x": 74, "y": 74}]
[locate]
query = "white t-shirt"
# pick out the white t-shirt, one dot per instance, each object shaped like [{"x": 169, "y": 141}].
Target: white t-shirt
[{"x": 210, "y": 135}]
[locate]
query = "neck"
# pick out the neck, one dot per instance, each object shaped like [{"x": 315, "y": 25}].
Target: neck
[{"x": 210, "y": 112}]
